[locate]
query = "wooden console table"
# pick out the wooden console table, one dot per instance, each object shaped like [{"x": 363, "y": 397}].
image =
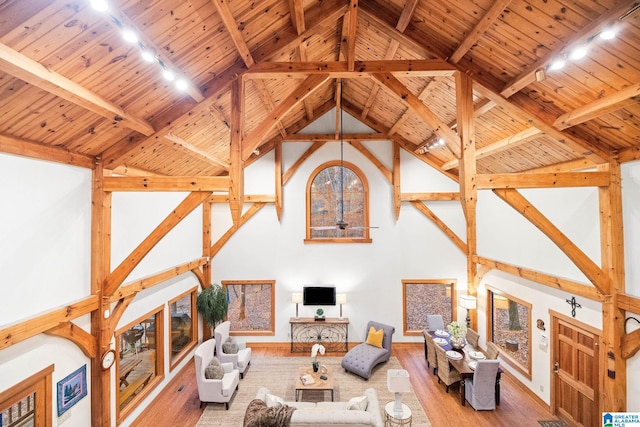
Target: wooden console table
[{"x": 332, "y": 333}]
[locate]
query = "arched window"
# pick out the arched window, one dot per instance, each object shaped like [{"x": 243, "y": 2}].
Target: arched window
[{"x": 337, "y": 192}]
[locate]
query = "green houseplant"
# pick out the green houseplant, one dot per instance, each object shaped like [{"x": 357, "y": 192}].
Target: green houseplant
[{"x": 212, "y": 304}]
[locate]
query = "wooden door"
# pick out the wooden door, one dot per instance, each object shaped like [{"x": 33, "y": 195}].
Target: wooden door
[{"x": 575, "y": 378}]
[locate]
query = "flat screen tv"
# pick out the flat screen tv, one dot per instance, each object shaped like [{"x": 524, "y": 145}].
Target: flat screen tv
[{"x": 319, "y": 295}]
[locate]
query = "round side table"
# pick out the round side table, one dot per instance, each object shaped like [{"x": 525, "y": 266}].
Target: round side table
[{"x": 392, "y": 420}]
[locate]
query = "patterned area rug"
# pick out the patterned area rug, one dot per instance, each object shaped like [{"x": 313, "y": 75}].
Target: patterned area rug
[
  {"x": 278, "y": 375},
  {"x": 552, "y": 423}
]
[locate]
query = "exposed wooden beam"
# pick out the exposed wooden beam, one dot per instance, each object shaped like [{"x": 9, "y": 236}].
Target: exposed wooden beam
[
  {"x": 278, "y": 179},
  {"x": 330, "y": 137},
  {"x": 395, "y": 180},
  {"x": 406, "y": 15},
  {"x": 441, "y": 225},
  {"x": 590, "y": 269},
  {"x": 629, "y": 303},
  {"x": 352, "y": 17},
  {"x": 565, "y": 285},
  {"x": 478, "y": 31},
  {"x": 294, "y": 167},
  {"x": 395, "y": 86},
  {"x": 232, "y": 29},
  {"x": 20, "y": 331},
  {"x": 607, "y": 104},
  {"x": 248, "y": 198},
  {"x": 427, "y": 197},
  {"x": 498, "y": 146},
  {"x": 543, "y": 180},
  {"x": 193, "y": 150},
  {"x": 569, "y": 166},
  {"x": 117, "y": 276},
  {"x": 296, "y": 12},
  {"x": 125, "y": 170},
  {"x": 132, "y": 288},
  {"x": 166, "y": 183},
  {"x": 235, "y": 227},
  {"x": 525, "y": 109},
  {"x": 630, "y": 344},
  {"x": 84, "y": 340},
  {"x": 299, "y": 93},
  {"x": 32, "y": 72},
  {"x": 424, "y": 93},
  {"x": 340, "y": 69},
  {"x": 528, "y": 75},
  {"x": 373, "y": 159},
  {"x": 35, "y": 150}
]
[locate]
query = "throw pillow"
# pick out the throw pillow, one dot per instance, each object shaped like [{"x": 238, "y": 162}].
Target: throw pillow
[
  {"x": 374, "y": 337},
  {"x": 229, "y": 347},
  {"x": 272, "y": 400},
  {"x": 359, "y": 403},
  {"x": 214, "y": 370}
]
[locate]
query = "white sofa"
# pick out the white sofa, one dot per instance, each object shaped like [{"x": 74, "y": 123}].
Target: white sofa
[{"x": 333, "y": 414}]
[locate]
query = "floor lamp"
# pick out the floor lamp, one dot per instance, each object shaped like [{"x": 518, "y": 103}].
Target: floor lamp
[{"x": 469, "y": 302}]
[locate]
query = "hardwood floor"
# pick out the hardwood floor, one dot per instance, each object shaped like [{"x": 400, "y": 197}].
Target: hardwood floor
[{"x": 178, "y": 404}]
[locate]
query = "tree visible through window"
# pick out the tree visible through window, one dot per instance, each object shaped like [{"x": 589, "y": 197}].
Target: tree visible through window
[{"x": 337, "y": 192}]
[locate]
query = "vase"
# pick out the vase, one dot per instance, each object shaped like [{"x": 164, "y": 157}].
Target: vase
[
  {"x": 457, "y": 343},
  {"x": 315, "y": 365}
]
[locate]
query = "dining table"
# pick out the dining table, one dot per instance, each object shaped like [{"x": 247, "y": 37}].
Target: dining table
[{"x": 462, "y": 365}]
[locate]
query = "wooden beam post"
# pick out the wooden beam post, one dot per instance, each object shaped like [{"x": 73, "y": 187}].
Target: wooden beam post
[
  {"x": 613, "y": 367},
  {"x": 236, "y": 172},
  {"x": 397, "y": 201},
  {"x": 468, "y": 189}
]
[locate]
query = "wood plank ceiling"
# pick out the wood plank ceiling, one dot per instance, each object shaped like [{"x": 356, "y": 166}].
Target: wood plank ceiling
[{"x": 69, "y": 80}]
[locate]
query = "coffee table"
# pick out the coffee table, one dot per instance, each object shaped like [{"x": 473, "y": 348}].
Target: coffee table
[{"x": 318, "y": 383}]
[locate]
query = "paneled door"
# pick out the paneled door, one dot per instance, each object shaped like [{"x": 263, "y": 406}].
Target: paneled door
[{"x": 575, "y": 378}]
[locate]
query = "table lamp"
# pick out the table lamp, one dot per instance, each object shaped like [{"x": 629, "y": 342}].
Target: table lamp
[
  {"x": 469, "y": 302},
  {"x": 398, "y": 382},
  {"x": 341, "y": 299},
  {"x": 296, "y": 298}
]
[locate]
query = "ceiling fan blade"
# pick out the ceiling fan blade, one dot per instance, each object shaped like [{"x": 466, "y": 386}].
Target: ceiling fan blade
[
  {"x": 361, "y": 228},
  {"x": 325, "y": 227}
]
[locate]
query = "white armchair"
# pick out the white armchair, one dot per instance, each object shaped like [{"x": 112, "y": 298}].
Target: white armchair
[
  {"x": 211, "y": 390},
  {"x": 241, "y": 359}
]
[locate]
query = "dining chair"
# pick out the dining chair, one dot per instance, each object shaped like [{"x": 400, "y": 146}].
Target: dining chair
[
  {"x": 492, "y": 350},
  {"x": 480, "y": 390},
  {"x": 446, "y": 373},
  {"x": 472, "y": 337},
  {"x": 434, "y": 322},
  {"x": 432, "y": 358}
]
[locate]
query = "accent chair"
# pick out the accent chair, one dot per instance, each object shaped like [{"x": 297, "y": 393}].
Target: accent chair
[
  {"x": 214, "y": 390},
  {"x": 446, "y": 373},
  {"x": 362, "y": 358},
  {"x": 241, "y": 359},
  {"x": 480, "y": 391}
]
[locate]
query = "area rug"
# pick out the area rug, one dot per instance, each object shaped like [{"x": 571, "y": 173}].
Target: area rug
[
  {"x": 552, "y": 423},
  {"x": 278, "y": 375}
]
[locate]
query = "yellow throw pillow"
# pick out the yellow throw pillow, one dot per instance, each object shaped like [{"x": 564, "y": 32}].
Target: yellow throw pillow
[{"x": 374, "y": 337}]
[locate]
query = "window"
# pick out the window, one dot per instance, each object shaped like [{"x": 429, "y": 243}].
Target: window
[
  {"x": 509, "y": 323},
  {"x": 28, "y": 403},
  {"x": 182, "y": 328},
  {"x": 251, "y": 306},
  {"x": 140, "y": 365},
  {"x": 329, "y": 201},
  {"x": 422, "y": 297}
]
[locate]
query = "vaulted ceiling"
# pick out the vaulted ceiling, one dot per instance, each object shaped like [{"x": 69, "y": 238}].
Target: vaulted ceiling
[{"x": 69, "y": 80}]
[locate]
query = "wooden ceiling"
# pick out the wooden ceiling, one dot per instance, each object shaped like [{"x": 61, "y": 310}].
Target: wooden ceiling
[{"x": 68, "y": 80}]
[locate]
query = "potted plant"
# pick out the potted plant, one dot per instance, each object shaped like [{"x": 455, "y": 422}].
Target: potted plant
[
  {"x": 212, "y": 304},
  {"x": 315, "y": 363},
  {"x": 319, "y": 314}
]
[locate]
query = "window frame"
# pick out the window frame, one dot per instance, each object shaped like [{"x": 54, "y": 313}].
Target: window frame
[
  {"x": 41, "y": 385},
  {"x": 174, "y": 361},
  {"x": 270, "y": 315},
  {"x": 122, "y": 412},
  {"x": 416, "y": 330},
  {"x": 365, "y": 189},
  {"x": 514, "y": 363}
]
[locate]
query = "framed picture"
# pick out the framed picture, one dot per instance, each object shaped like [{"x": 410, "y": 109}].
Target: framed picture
[
  {"x": 71, "y": 389},
  {"x": 251, "y": 306}
]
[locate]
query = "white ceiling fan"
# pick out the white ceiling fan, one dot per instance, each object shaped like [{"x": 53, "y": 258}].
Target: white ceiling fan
[{"x": 341, "y": 224}]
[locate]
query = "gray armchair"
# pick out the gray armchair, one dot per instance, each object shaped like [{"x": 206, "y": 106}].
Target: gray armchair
[
  {"x": 480, "y": 391},
  {"x": 362, "y": 358}
]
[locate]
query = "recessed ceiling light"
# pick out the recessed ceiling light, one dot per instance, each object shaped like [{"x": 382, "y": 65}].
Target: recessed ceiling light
[
  {"x": 129, "y": 35},
  {"x": 147, "y": 55},
  {"x": 182, "y": 84},
  {"x": 578, "y": 52},
  {"x": 168, "y": 74},
  {"x": 100, "y": 5},
  {"x": 608, "y": 33},
  {"x": 557, "y": 64}
]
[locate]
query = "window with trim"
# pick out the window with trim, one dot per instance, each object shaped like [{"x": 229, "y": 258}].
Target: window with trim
[
  {"x": 337, "y": 192},
  {"x": 28, "y": 403},
  {"x": 509, "y": 326},
  {"x": 140, "y": 366},
  {"x": 422, "y": 297},
  {"x": 183, "y": 325}
]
